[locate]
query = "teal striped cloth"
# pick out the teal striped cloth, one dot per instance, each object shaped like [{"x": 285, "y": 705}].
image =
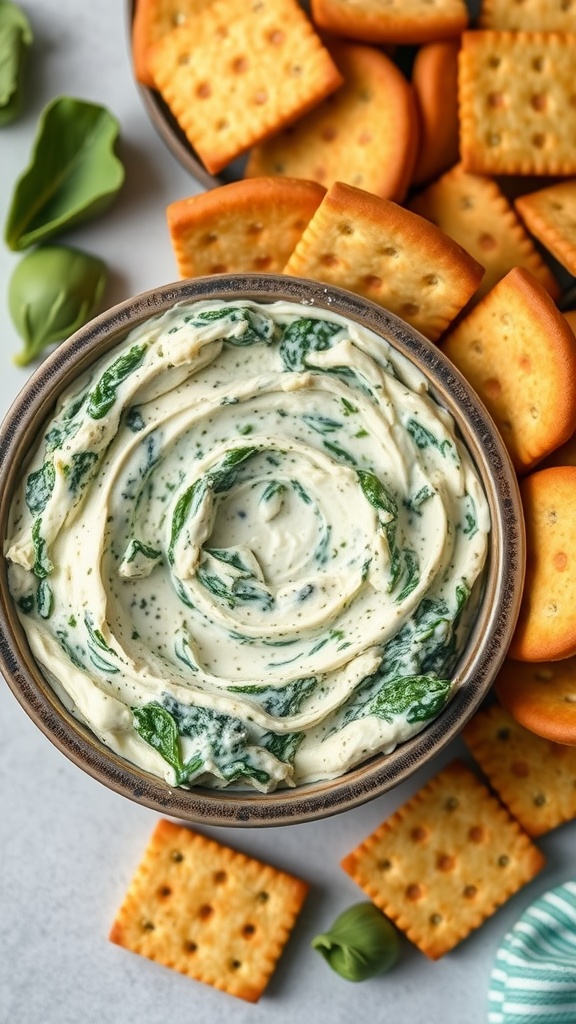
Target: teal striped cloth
[{"x": 533, "y": 980}]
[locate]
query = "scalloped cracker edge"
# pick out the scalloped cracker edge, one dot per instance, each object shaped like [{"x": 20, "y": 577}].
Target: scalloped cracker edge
[
  {"x": 445, "y": 861},
  {"x": 516, "y": 103},
  {"x": 209, "y": 912},
  {"x": 375, "y": 248}
]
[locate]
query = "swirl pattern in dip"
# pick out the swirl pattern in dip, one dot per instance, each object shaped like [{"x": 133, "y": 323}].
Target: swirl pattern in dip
[{"x": 249, "y": 547}]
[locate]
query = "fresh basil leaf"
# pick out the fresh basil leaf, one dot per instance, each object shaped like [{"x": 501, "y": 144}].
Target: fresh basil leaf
[
  {"x": 73, "y": 173},
  {"x": 15, "y": 38},
  {"x": 52, "y": 292}
]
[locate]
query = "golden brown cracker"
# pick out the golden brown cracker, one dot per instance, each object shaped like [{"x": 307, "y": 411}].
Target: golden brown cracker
[
  {"x": 550, "y": 215},
  {"x": 517, "y": 351},
  {"x": 397, "y": 21},
  {"x": 209, "y": 912},
  {"x": 546, "y": 629},
  {"x": 535, "y": 778},
  {"x": 542, "y": 697},
  {"x": 373, "y": 247},
  {"x": 516, "y": 102},
  {"x": 243, "y": 227},
  {"x": 474, "y": 211},
  {"x": 152, "y": 20},
  {"x": 435, "y": 84},
  {"x": 529, "y": 15},
  {"x": 365, "y": 134},
  {"x": 445, "y": 861},
  {"x": 237, "y": 72}
]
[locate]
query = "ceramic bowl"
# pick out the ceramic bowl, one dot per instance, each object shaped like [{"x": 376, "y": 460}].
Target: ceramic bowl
[
  {"x": 487, "y": 643},
  {"x": 170, "y": 131}
]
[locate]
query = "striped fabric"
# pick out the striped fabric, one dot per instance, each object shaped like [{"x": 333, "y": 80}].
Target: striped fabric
[{"x": 533, "y": 979}]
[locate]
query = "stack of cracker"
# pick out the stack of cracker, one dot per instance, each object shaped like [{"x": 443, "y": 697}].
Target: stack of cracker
[{"x": 440, "y": 186}]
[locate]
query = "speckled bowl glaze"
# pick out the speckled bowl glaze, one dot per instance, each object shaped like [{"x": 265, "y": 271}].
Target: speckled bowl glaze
[{"x": 488, "y": 641}]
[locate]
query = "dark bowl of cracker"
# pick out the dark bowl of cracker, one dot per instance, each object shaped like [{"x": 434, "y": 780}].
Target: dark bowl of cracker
[{"x": 264, "y": 550}]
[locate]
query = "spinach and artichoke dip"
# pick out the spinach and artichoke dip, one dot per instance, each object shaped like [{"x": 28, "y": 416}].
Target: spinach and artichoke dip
[{"x": 248, "y": 548}]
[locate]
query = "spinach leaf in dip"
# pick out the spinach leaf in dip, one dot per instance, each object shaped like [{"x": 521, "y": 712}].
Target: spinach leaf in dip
[{"x": 249, "y": 547}]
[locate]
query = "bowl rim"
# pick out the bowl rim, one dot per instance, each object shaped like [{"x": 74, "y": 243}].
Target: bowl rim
[
  {"x": 163, "y": 120},
  {"x": 487, "y": 644}
]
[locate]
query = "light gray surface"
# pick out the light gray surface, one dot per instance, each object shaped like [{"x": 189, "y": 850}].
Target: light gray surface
[{"x": 68, "y": 846}]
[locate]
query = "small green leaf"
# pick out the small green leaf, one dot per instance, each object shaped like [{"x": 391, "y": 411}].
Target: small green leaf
[
  {"x": 360, "y": 943},
  {"x": 79, "y": 468},
  {"x": 44, "y": 599},
  {"x": 340, "y": 452},
  {"x": 104, "y": 394},
  {"x": 73, "y": 173},
  {"x": 302, "y": 337},
  {"x": 15, "y": 38},
  {"x": 418, "y": 698},
  {"x": 39, "y": 487},
  {"x": 159, "y": 729},
  {"x": 378, "y": 495},
  {"x": 52, "y": 292},
  {"x": 42, "y": 563},
  {"x": 321, "y": 424}
]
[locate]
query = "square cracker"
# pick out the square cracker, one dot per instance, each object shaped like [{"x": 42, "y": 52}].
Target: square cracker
[
  {"x": 518, "y": 352},
  {"x": 371, "y": 246},
  {"x": 152, "y": 20},
  {"x": 474, "y": 211},
  {"x": 516, "y": 103},
  {"x": 445, "y": 861},
  {"x": 239, "y": 71},
  {"x": 243, "y": 227},
  {"x": 207, "y": 911},
  {"x": 534, "y": 777},
  {"x": 550, "y": 215}
]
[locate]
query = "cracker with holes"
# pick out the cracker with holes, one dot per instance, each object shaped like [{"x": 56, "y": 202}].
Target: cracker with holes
[
  {"x": 517, "y": 103},
  {"x": 237, "y": 72},
  {"x": 445, "y": 861},
  {"x": 366, "y": 133},
  {"x": 541, "y": 696},
  {"x": 243, "y": 227},
  {"x": 518, "y": 352},
  {"x": 530, "y": 15},
  {"x": 475, "y": 212},
  {"x": 396, "y": 21},
  {"x": 152, "y": 20},
  {"x": 550, "y": 215},
  {"x": 373, "y": 247},
  {"x": 435, "y": 84},
  {"x": 534, "y": 777},
  {"x": 546, "y": 629},
  {"x": 205, "y": 910}
]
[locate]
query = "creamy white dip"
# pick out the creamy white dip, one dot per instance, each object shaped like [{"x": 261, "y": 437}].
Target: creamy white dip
[{"x": 248, "y": 548}]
